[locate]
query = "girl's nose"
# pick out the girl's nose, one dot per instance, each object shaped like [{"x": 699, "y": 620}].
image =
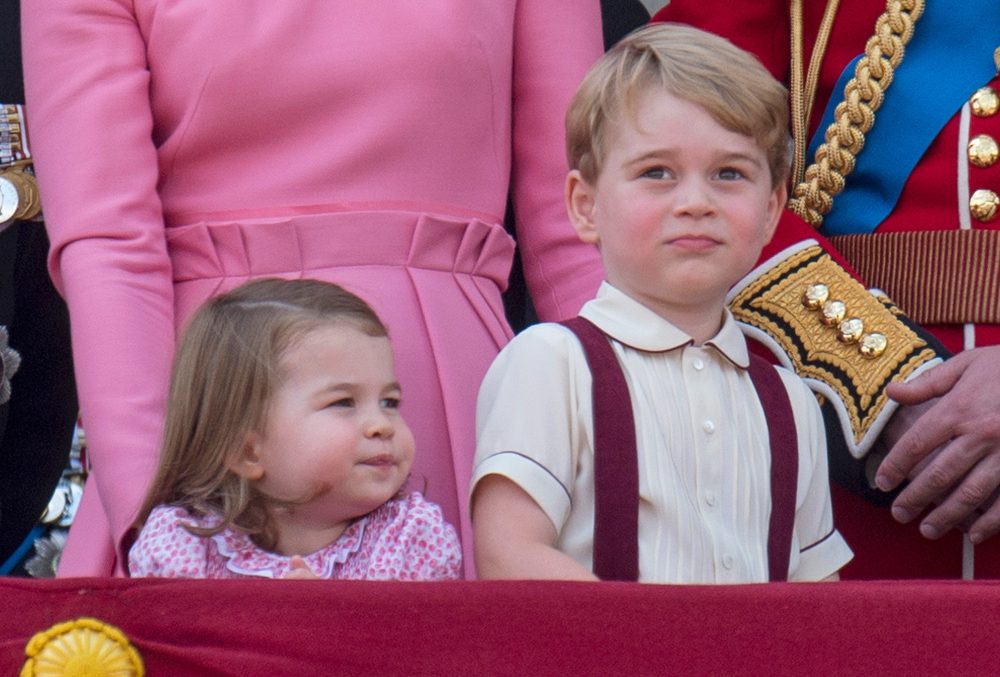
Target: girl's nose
[{"x": 378, "y": 425}]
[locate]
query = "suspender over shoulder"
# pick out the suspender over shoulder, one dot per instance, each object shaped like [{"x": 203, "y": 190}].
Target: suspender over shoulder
[{"x": 616, "y": 466}]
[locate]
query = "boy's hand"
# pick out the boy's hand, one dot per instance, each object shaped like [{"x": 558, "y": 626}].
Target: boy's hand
[
  {"x": 964, "y": 424},
  {"x": 300, "y": 570}
]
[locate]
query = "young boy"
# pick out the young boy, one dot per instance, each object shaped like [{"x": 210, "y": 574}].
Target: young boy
[{"x": 678, "y": 148}]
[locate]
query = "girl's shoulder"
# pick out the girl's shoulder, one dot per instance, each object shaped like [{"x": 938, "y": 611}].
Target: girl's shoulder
[
  {"x": 408, "y": 538},
  {"x": 166, "y": 548}
]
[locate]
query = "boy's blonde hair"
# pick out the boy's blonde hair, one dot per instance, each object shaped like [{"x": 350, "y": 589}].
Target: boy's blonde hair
[
  {"x": 226, "y": 370},
  {"x": 705, "y": 69}
]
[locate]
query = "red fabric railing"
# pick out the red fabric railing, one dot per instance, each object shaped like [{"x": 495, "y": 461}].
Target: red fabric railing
[{"x": 522, "y": 628}]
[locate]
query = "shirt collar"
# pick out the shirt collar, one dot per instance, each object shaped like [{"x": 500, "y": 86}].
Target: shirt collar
[{"x": 630, "y": 322}]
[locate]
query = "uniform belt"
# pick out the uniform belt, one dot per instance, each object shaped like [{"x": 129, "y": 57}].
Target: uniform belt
[{"x": 937, "y": 277}]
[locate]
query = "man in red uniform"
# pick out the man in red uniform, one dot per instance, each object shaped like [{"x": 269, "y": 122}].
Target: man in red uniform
[{"x": 898, "y": 183}]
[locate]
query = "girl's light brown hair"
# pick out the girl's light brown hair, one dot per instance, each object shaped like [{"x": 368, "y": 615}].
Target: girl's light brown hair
[
  {"x": 224, "y": 374},
  {"x": 705, "y": 69}
]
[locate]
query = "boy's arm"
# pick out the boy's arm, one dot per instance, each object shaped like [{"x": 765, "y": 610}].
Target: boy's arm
[{"x": 514, "y": 538}]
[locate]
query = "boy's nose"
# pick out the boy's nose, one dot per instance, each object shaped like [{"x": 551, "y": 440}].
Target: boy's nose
[{"x": 693, "y": 198}]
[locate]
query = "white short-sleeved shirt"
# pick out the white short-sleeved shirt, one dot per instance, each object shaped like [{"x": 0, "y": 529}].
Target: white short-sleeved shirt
[{"x": 703, "y": 446}]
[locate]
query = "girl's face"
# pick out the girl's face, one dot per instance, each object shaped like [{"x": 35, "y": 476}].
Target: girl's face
[{"x": 334, "y": 446}]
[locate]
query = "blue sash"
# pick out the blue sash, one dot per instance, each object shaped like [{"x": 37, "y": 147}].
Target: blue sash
[{"x": 949, "y": 57}]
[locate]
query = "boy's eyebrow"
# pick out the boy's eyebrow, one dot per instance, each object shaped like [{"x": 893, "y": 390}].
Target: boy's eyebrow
[
  {"x": 667, "y": 153},
  {"x": 753, "y": 159}
]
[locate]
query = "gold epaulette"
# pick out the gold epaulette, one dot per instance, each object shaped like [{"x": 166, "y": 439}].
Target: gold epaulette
[{"x": 846, "y": 342}]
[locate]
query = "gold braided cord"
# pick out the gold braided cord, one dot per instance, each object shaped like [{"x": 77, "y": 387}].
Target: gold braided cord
[
  {"x": 854, "y": 117},
  {"x": 803, "y": 93}
]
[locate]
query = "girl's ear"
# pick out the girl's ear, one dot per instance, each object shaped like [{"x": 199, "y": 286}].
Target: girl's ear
[
  {"x": 580, "y": 206},
  {"x": 247, "y": 464}
]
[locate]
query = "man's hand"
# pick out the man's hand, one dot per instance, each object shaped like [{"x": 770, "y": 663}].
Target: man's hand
[{"x": 963, "y": 425}]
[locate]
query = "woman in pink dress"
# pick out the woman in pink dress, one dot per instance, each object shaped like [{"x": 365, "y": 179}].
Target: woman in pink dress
[{"x": 184, "y": 147}]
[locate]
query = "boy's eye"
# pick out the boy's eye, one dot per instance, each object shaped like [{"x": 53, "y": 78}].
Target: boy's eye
[
  {"x": 730, "y": 174},
  {"x": 341, "y": 402}
]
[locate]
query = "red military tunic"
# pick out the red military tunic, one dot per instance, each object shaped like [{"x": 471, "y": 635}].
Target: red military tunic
[{"x": 935, "y": 197}]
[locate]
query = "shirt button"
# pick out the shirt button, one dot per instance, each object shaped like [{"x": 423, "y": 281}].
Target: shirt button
[
  {"x": 710, "y": 498},
  {"x": 698, "y": 364},
  {"x": 708, "y": 426},
  {"x": 727, "y": 561}
]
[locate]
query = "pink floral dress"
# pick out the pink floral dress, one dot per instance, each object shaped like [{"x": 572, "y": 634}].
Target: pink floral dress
[{"x": 405, "y": 539}]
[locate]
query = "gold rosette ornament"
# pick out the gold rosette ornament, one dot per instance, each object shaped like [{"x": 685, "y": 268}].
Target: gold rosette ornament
[{"x": 84, "y": 647}]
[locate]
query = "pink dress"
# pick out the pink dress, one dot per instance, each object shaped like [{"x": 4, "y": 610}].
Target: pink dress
[
  {"x": 185, "y": 146},
  {"x": 403, "y": 540}
]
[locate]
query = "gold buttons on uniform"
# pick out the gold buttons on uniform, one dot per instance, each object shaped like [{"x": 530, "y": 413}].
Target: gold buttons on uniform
[
  {"x": 833, "y": 312},
  {"x": 985, "y": 102},
  {"x": 849, "y": 331},
  {"x": 984, "y": 204},
  {"x": 815, "y": 296},
  {"x": 872, "y": 345},
  {"x": 983, "y": 151}
]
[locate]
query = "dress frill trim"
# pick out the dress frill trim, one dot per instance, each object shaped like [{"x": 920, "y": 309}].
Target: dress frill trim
[{"x": 246, "y": 558}]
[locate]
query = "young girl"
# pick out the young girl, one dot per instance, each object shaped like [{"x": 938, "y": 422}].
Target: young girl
[{"x": 284, "y": 453}]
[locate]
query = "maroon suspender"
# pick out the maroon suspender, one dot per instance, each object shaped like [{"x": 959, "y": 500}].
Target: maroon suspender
[
  {"x": 616, "y": 464},
  {"x": 616, "y": 470},
  {"x": 784, "y": 464}
]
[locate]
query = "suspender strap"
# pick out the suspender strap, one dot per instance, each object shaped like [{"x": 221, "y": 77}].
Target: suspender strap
[
  {"x": 784, "y": 464},
  {"x": 616, "y": 465}
]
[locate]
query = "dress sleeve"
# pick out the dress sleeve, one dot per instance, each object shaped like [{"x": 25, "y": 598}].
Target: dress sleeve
[
  {"x": 165, "y": 549},
  {"x": 555, "y": 42},
  {"x": 87, "y": 86}
]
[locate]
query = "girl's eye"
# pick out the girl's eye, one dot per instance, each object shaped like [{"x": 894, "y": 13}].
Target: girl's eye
[
  {"x": 390, "y": 402},
  {"x": 342, "y": 402},
  {"x": 655, "y": 173}
]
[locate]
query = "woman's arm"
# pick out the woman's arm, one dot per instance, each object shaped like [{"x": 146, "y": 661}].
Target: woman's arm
[
  {"x": 555, "y": 42},
  {"x": 87, "y": 86}
]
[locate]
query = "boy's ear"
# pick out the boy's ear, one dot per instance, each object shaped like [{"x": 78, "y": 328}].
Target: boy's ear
[
  {"x": 580, "y": 206},
  {"x": 247, "y": 463},
  {"x": 775, "y": 208}
]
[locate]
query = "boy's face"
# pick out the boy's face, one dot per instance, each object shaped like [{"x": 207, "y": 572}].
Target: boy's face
[{"x": 681, "y": 207}]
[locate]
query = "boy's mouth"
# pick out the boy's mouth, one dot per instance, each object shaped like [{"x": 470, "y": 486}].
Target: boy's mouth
[{"x": 693, "y": 242}]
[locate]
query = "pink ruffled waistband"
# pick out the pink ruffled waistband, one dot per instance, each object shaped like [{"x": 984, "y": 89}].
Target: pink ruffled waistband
[{"x": 303, "y": 242}]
